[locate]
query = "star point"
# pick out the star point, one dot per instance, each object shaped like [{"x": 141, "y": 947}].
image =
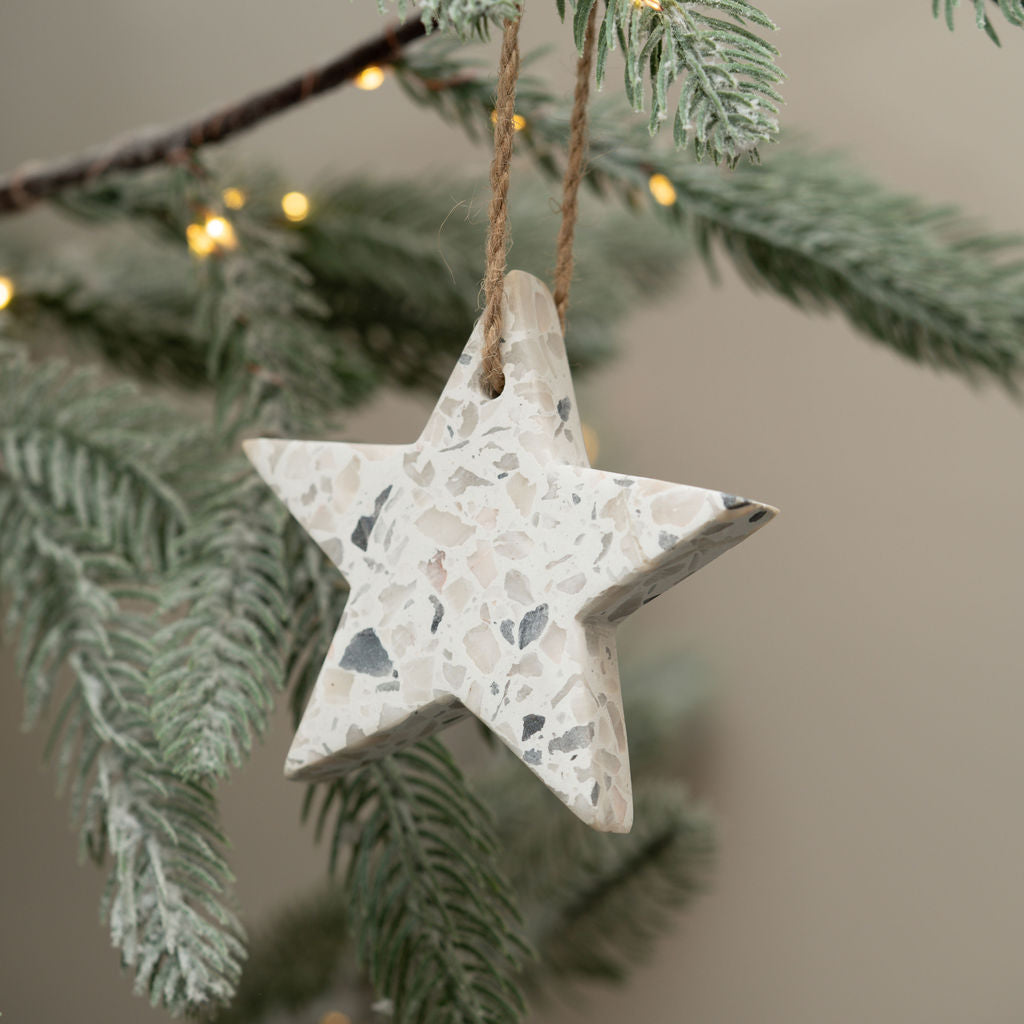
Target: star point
[{"x": 488, "y": 566}]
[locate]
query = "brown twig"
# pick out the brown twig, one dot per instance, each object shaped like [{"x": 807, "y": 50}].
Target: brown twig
[{"x": 36, "y": 181}]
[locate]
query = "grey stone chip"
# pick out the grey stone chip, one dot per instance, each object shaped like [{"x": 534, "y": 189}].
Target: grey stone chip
[
  {"x": 532, "y": 724},
  {"x": 361, "y": 534},
  {"x": 576, "y": 738},
  {"x": 438, "y": 613},
  {"x": 532, "y": 625},
  {"x": 365, "y": 653}
]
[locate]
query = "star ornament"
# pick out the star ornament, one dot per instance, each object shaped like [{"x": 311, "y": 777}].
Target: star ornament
[{"x": 488, "y": 567}]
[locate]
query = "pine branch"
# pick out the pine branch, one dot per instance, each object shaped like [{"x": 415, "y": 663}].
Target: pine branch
[
  {"x": 602, "y": 900},
  {"x": 133, "y": 301},
  {"x": 569, "y": 880},
  {"x": 728, "y": 104},
  {"x": 400, "y": 262},
  {"x": 83, "y": 506},
  {"x": 165, "y": 898},
  {"x": 33, "y": 182},
  {"x": 88, "y": 463},
  {"x": 913, "y": 276},
  {"x": 218, "y": 661},
  {"x": 1012, "y": 11},
  {"x": 804, "y": 225},
  {"x": 266, "y": 342},
  {"x": 394, "y": 272},
  {"x": 299, "y": 955},
  {"x": 254, "y": 318},
  {"x": 467, "y": 19},
  {"x": 247, "y": 321},
  {"x": 430, "y": 912},
  {"x": 295, "y": 959},
  {"x": 594, "y": 902}
]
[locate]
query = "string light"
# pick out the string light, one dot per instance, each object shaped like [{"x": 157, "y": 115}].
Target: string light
[
  {"x": 662, "y": 189},
  {"x": 221, "y": 231},
  {"x": 653, "y": 4},
  {"x": 199, "y": 241},
  {"x": 591, "y": 442},
  {"x": 6, "y": 292},
  {"x": 335, "y": 1017},
  {"x": 234, "y": 198},
  {"x": 295, "y": 206},
  {"x": 518, "y": 121},
  {"x": 370, "y": 78}
]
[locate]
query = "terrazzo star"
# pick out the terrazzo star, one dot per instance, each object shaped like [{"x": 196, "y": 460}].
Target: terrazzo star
[{"x": 488, "y": 567}]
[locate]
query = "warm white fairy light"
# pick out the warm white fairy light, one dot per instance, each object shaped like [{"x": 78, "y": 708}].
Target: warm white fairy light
[
  {"x": 221, "y": 231},
  {"x": 662, "y": 189},
  {"x": 234, "y": 198},
  {"x": 199, "y": 241},
  {"x": 295, "y": 206},
  {"x": 370, "y": 78},
  {"x": 6, "y": 292}
]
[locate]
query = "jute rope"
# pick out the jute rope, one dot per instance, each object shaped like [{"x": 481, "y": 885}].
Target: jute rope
[
  {"x": 574, "y": 171},
  {"x": 498, "y": 229},
  {"x": 497, "y": 233}
]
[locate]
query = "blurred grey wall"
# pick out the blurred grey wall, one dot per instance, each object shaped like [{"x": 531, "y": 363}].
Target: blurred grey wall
[{"x": 867, "y": 756}]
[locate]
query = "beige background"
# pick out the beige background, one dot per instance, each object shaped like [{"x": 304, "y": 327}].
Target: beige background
[{"x": 867, "y": 756}]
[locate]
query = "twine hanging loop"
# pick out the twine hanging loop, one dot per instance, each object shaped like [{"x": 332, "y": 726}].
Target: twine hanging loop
[
  {"x": 575, "y": 168},
  {"x": 498, "y": 230},
  {"x": 498, "y": 221}
]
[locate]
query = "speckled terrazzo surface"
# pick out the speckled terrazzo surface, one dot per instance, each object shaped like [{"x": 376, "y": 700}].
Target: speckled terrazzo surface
[{"x": 488, "y": 567}]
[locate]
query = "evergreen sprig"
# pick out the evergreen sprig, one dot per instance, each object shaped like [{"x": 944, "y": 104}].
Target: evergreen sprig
[
  {"x": 218, "y": 661},
  {"x": 84, "y": 509},
  {"x": 131, "y": 298},
  {"x": 399, "y": 265},
  {"x": 1012, "y": 11},
  {"x": 81, "y": 469},
  {"x": 728, "y": 104},
  {"x": 294, "y": 959},
  {"x": 248, "y": 319},
  {"x": 393, "y": 267},
  {"x": 166, "y": 894},
  {"x": 261, "y": 316},
  {"x": 600, "y": 900},
  {"x": 466, "y": 19},
  {"x": 915, "y": 276},
  {"x": 430, "y": 912},
  {"x": 551, "y": 860}
]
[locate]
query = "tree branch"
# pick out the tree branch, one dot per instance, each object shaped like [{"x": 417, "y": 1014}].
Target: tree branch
[{"x": 35, "y": 181}]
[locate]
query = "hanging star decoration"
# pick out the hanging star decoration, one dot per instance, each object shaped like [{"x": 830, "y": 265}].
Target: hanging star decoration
[{"x": 488, "y": 566}]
